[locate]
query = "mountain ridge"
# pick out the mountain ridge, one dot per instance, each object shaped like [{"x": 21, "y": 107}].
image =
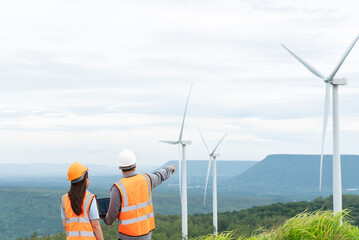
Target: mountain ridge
[{"x": 297, "y": 172}]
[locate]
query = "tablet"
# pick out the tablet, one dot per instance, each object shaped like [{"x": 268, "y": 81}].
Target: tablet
[{"x": 103, "y": 204}]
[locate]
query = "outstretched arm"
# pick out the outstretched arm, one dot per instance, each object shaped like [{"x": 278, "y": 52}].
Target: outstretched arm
[{"x": 161, "y": 175}]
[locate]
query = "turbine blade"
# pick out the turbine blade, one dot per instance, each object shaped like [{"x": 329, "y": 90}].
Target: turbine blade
[
  {"x": 179, "y": 171},
  {"x": 219, "y": 143},
  {"x": 208, "y": 171},
  {"x": 307, "y": 65},
  {"x": 169, "y": 142},
  {"x": 184, "y": 115},
  {"x": 343, "y": 58},
  {"x": 325, "y": 123},
  {"x": 204, "y": 142}
]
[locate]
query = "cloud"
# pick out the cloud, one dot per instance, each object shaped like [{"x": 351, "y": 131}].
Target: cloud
[{"x": 84, "y": 80}]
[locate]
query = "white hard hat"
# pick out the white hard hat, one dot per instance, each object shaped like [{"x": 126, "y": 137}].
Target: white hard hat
[{"x": 127, "y": 159}]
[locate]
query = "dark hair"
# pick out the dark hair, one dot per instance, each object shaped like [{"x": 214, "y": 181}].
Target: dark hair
[{"x": 77, "y": 194}]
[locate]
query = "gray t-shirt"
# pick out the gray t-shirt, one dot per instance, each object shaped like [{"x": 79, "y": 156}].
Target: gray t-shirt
[{"x": 115, "y": 201}]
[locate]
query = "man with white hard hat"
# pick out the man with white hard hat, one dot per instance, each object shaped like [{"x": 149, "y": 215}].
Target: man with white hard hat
[{"x": 131, "y": 199}]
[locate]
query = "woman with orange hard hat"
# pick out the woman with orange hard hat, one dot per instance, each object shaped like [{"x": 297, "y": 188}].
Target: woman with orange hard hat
[{"x": 79, "y": 211}]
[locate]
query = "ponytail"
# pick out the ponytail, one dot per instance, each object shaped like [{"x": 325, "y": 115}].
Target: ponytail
[{"x": 77, "y": 195}]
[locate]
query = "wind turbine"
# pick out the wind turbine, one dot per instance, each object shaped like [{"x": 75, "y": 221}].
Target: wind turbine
[
  {"x": 330, "y": 81},
  {"x": 212, "y": 156},
  {"x": 183, "y": 174}
]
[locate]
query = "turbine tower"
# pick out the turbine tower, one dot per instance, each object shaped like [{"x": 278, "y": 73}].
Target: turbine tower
[
  {"x": 183, "y": 174},
  {"x": 333, "y": 83},
  {"x": 212, "y": 159}
]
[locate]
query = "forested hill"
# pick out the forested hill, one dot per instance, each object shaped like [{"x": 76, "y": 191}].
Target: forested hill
[
  {"x": 299, "y": 173},
  {"x": 244, "y": 222}
]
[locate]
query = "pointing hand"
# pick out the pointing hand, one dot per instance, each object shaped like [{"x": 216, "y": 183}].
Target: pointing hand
[{"x": 173, "y": 168}]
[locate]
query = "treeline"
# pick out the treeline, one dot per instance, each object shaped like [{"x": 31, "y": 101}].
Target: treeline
[{"x": 243, "y": 223}]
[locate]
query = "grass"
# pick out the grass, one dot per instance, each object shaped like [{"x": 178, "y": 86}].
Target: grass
[
  {"x": 323, "y": 225},
  {"x": 221, "y": 236}
]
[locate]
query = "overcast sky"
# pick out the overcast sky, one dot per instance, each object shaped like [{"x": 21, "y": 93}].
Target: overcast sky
[{"x": 82, "y": 80}]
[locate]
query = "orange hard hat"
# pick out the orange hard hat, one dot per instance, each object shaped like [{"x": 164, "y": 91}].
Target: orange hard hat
[{"x": 76, "y": 172}]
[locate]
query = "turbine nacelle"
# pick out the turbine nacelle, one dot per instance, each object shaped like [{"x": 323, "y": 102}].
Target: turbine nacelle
[
  {"x": 339, "y": 81},
  {"x": 185, "y": 142},
  {"x": 214, "y": 155}
]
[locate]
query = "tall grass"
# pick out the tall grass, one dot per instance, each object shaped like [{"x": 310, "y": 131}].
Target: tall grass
[
  {"x": 323, "y": 225},
  {"x": 221, "y": 236}
]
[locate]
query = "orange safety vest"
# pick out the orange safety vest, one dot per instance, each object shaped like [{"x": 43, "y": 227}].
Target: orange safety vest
[
  {"x": 78, "y": 227},
  {"x": 136, "y": 217}
]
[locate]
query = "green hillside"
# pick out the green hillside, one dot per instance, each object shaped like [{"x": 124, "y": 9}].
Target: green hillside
[{"x": 243, "y": 223}]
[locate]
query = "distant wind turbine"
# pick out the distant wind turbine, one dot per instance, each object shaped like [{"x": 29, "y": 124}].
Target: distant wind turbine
[
  {"x": 212, "y": 156},
  {"x": 334, "y": 83},
  {"x": 183, "y": 174}
]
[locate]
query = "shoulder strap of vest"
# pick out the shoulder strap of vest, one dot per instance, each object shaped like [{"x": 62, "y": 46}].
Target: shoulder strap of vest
[
  {"x": 87, "y": 203},
  {"x": 148, "y": 176},
  {"x": 123, "y": 192},
  {"x": 149, "y": 185},
  {"x": 63, "y": 201}
]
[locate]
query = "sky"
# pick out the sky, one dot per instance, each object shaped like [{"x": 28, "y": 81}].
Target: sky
[{"x": 82, "y": 80}]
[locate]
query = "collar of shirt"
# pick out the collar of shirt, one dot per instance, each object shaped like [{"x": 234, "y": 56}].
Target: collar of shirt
[{"x": 127, "y": 175}]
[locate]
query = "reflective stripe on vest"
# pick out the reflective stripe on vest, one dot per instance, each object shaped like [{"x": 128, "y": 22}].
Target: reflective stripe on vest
[
  {"x": 134, "y": 207},
  {"x": 135, "y": 220},
  {"x": 80, "y": 234},
  {"x": 136, "y": 217},
  {"x": 83, "y": 220},
  {"x": 78, "y": 226}
]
